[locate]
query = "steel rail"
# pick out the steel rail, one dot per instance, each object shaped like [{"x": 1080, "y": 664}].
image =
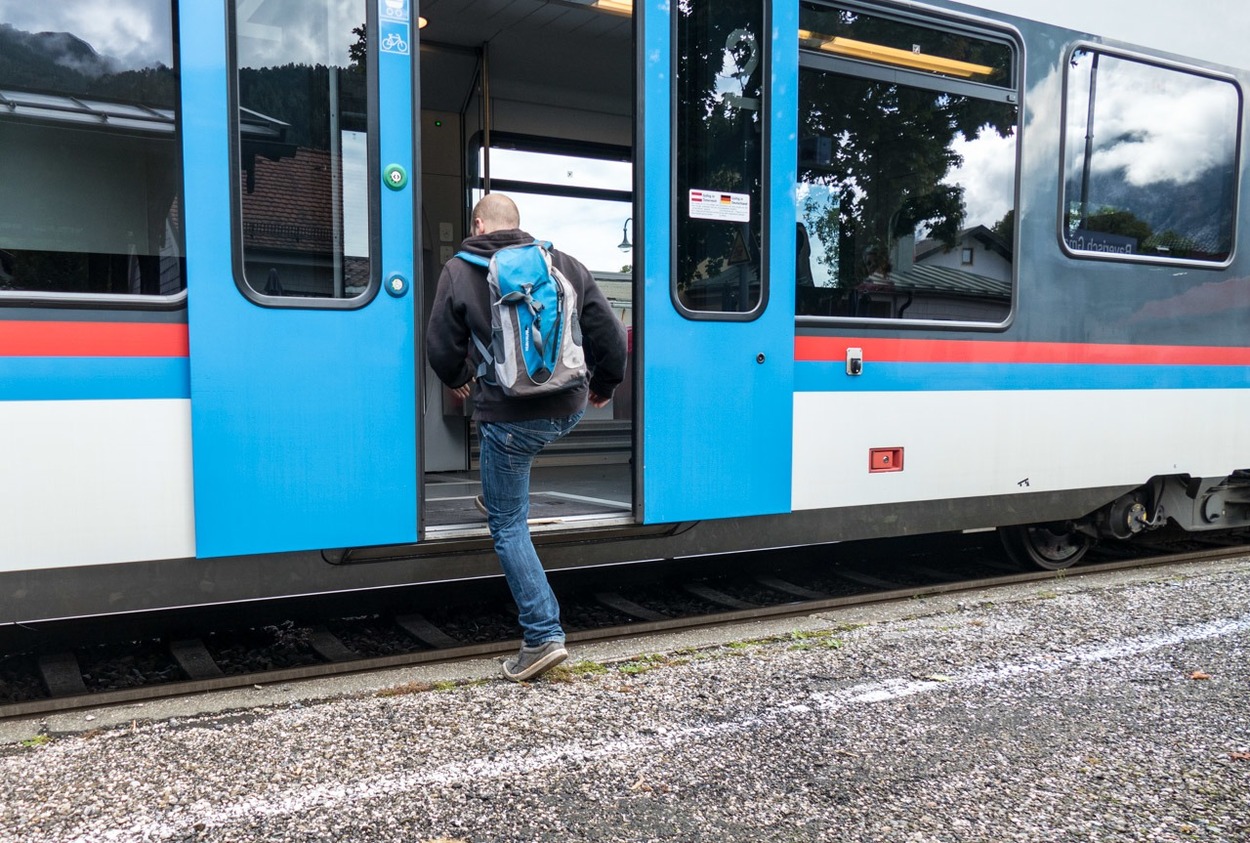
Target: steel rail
[{"x": 101, "y": 699}]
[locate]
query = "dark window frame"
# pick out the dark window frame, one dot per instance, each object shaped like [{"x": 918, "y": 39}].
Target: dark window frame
[
  {"x": 544, "y": 145},
  {"x": 1163, "y": 64},
  {"x": 766, "y": 186},
  {"x": 156, "y": 118},
  {"x": 373, "y": 167},
  {"x": 539, "y": 144},
  {"x": 993, "y": 31}
]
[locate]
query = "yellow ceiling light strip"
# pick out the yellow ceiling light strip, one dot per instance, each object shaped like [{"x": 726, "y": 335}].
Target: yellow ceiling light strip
[
  {"x": 891, "y": 55},
  {"x": 616, "y": 7}
]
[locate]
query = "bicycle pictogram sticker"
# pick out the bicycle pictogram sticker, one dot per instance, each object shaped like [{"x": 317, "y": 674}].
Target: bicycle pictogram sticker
[{"x": 394, "y": 43}]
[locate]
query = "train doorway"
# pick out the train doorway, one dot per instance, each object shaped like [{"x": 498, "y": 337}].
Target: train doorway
[{"x": 534, "y": 99}]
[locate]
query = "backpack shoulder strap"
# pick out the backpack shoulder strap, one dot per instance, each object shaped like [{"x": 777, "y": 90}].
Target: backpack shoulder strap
[
  {"x": 488, "y": 360},
  {"x": 473, "y": 259}
]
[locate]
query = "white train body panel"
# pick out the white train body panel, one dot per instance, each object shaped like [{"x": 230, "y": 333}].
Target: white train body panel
[
  {"x": 974, "y": 444},
  {"x": 118, "y": 472}
]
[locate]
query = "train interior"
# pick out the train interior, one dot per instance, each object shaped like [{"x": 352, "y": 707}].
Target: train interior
[{"x": 533, "y": 99}]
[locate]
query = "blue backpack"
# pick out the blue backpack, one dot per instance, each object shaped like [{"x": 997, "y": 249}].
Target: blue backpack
[{"x": 535, "y": 345}]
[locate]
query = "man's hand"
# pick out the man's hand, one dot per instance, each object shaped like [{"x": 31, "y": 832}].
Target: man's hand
[
  {"x": 462, "y": 391},
  {"x": 598, "y": 402}
]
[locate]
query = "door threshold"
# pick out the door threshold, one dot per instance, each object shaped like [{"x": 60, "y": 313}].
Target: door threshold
[{"x": 553, "y": 524}]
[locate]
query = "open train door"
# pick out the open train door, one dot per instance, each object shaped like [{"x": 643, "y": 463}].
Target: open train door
[
  {"x": 717, "y": 342},
  {"x": 299, "y": 220}
]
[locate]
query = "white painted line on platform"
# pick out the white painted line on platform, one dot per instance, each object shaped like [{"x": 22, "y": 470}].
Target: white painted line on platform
[
  {"x": 323, "y": 798},
  {"x": 1045, "y": 663}
]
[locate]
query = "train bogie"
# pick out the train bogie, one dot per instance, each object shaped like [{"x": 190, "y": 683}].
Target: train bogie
[{"x": 1208, "y": 503}]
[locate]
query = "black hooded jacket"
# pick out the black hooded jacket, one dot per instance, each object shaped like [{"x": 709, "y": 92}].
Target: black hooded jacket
[{"x": 462, "y": 306}]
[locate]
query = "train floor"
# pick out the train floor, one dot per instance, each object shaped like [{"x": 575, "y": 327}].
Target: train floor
[{"x": 561, "y": 497}]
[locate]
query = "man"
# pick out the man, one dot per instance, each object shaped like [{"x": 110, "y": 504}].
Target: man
[{"x": 513, "y": 430}]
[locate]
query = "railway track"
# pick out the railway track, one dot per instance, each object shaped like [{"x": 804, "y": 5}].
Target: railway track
[{"x": 176, "y": 665}]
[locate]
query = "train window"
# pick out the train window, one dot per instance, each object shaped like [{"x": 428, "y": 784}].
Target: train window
[
  {"x": 1150, "y": 161},
  {"x": 719, "y": 147},
  {"x": 303, "y": 143},
  {"x": 907, "y": 170},
  {"x": 89, "y": 168},
  {"x": 577, "y": 196}
]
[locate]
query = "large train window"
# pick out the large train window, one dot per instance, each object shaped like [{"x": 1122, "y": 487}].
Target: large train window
[
  {"x": 719, "y": 145},
  {"x": 1150, "y": 161},
  {"x": 89, "y": 164},
  {"x": 907, "y": 169},
  {"x": 576, "y": 195},
  {"x": 302, "y": 135}
]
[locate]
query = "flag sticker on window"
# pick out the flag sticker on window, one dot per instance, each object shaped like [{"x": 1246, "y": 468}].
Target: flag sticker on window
[{"x": 715, "y": 205}]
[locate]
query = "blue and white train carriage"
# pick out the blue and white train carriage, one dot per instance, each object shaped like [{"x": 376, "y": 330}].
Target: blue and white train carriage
[{"x": 889, "y": 267}]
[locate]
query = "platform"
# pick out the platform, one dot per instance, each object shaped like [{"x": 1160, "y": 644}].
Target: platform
[{"x": 1108, "y": 707}]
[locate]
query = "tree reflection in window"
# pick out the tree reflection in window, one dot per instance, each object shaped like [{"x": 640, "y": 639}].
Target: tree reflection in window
[
  {"x": 904, "y": 173},
  {"x": 719, "y": 147}
]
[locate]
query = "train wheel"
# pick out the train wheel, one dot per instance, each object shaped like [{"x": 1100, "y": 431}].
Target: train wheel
[{"x": 1049, "y": 546}]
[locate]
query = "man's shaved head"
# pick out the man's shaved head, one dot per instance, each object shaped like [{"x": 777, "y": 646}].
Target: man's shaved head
[{"x": 495, "y": 212}]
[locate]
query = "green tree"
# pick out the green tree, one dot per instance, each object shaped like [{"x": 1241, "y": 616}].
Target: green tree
[
  {"x": 358, "y": 53},
  {"x": 1119, "y": 222},
  {"x": 1006, "y": 229}
]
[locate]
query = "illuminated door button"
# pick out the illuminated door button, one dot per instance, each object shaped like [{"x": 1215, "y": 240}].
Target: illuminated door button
[
  {"x": 396, "y": 285},
  {"x": 395, "y": 177}
]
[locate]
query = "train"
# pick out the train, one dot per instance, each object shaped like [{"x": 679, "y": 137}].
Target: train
[{"x": 888, "y": 268}]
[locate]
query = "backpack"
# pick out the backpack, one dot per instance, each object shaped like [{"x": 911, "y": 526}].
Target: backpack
[{"x": 536, "y": 341}]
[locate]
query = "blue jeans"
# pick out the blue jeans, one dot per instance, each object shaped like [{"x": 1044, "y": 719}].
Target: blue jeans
[{"x": 508, "y": 451}]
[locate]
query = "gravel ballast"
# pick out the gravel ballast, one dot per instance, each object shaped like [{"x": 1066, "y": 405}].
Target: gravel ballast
[{"x": 1109, "y": 708}]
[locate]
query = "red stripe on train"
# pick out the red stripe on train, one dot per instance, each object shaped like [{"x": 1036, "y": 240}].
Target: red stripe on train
[
  {"x": 92, "y": 339},
  {"x": 833, "y": 349}
]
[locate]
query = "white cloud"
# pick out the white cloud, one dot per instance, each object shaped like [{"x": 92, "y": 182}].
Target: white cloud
[
  {"x": 988, "y": 176},
  {"x": 1152, "y": 124},
  {"x": 586, "y": 229},
  {"x": 277, "y": 32},
  {"x": 138, "y": 33}
]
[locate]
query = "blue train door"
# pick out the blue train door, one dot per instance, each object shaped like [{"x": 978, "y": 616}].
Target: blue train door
[
  {"x": 718, "y": 338},
  {"x": 298, "y": 138}
]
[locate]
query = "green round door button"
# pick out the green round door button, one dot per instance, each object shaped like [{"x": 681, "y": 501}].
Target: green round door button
[{"x": 395, "y": 177}]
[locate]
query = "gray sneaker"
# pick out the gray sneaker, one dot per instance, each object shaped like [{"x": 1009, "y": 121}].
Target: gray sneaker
[{"x": 533, "y": 662}]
